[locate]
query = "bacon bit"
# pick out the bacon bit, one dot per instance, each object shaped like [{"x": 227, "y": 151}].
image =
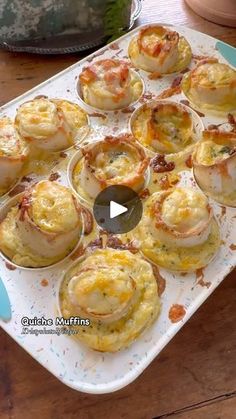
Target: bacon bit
[
  {"x": 232, "y": 246},
  {"x": 189, "y": 162},
  {"x": 186, "y": 70},
  {"x": 116, "y": 243},
  {"x": 97, "y": 243},
  {"x": 201, "y": 114},
  {"x": 203, "y": 57},
  {"x": 63, "y": 154},
  {"x": 232, "y": 121},
  {"x": 98, "y": 115},
  {"x": 112, "y": 242},
  {"x": 199, "y": 273},
  {"x": 44, "y": 282},
  {"x": 144, "y": 193},
  {"x": 161, "y": 282},
  {"x": 26, "y": 179},
  {"x": 160, "y": 165},
  {"x": 128, "y": 110},
  {"x": 203, "y": 283},
  {"x": 88, "y": 75},
  {"x": 164, "y": 182},
  {"x": 171, "y": 91},
  {"x": 77, "y": 253},
  {"x": 176, "y": 82},
  {"x": 24, "y": 205},
  {"x": 54, "y": 176},
  {"x": 200, "y": 278},
  {"x": 114, "y": 46},
  {"x": 41, "y": 97},
  {"x": 88, "y": 220},
  {"x": 176, "y": 313},
  {"x": 147, "y": 96},
  {"x": 10, "y": 266},
  {"x": 18, "y": 189},
  {"x": 186, "y": 102},
  {"x": 154, "y": 76},
  {"x": 213, "y": 127},
  {"x": 223, "y": 212}
]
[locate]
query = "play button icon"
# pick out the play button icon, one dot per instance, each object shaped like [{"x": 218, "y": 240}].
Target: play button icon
[{"x": 118, "y": 209}]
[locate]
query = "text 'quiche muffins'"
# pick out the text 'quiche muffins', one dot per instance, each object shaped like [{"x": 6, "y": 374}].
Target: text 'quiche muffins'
[
  {"x": 13, "y": 153},
  {"x": 109, "y": 84},
  {"x": 43, "y": 227},
  {"x": 211, "y": 86},
  {"x": 164, "y": 127},
  {"x": 51, "y": 125},
  {"x": 214, "y": 165},
  {"x": 178, "y": 230},
  {"x": 113, "y": 161},
  {"x": 161, "y": 50},
  {"x": 114, "y": 289}
]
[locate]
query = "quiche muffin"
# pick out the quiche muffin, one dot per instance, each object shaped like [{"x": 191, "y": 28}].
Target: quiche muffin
[
  {"x": 42, "y": 227},
  {"x": 211, "y": 86},
  {"x": 117, "y": 291},
  {"x": 51, "y": 124},
  {"x": 164, "y": 127},
  {"x": 112, "y": 161},
  {"x": 109, "y": 84},
  {"x": 13, "y": 154},
  {"x": 160, "y": 50},
  {"x": 178, "y": 230},
  {"x": 214, "y": 165}
]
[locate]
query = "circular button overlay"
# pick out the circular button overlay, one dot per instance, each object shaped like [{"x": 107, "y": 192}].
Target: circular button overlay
[{"x": 118, "y": 209}]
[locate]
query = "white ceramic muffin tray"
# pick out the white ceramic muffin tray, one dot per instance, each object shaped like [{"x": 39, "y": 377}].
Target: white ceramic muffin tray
[{"x": 71, "y": 362}]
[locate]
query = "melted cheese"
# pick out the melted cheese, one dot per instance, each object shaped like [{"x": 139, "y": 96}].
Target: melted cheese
[
  {"x": 169, "y": 256},
  {"x": 214, "y": 75},
  {"x": 12, "y": 246},
  {"x": 110, "y": 84},
  {"x": 115, "y": 165},
  {"x": 105, "y": 287},
  {"x": 209, "y": 152},
  {"x": 173, "y": 59},
  {"x": 165, "y": 128},
  {"x": 53, "y": 208},
  {"x": 211, "y": 86},
  {"x": 101, "y": 292},
  {"x": 11, "y": 144},
  {"x": 185, "y": 209},
  {"x": 38, "y": 118},
  {"x": 74, "y": 115}
]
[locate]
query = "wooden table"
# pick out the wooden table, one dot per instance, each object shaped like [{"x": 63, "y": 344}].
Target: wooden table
[{"x": 195, "y": 375}]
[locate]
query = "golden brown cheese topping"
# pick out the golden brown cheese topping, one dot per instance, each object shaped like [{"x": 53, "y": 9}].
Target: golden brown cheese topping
[
  {"x": 185, "y": 209},
  {"x": 157, "y": 40},
  {"x": 10, "y": 142},
  {"x": 109, "y": 74},
  {"x": 214, "y": 75},
  {"x": 53, "y": 208},
  {"x": 209, "y": 152},
  {"x": 164, "y": 127},
  {"x": 115, "y": 164}
]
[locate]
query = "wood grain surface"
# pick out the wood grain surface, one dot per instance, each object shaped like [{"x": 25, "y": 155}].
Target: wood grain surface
[{"x": 194, "y": 377}]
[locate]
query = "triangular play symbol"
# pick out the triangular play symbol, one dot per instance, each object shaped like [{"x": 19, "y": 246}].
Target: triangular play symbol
[{"x": 116, "y": 209}]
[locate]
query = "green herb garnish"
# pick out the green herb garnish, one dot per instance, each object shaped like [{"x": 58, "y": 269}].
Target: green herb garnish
[{"x": 115, "y": 18}]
